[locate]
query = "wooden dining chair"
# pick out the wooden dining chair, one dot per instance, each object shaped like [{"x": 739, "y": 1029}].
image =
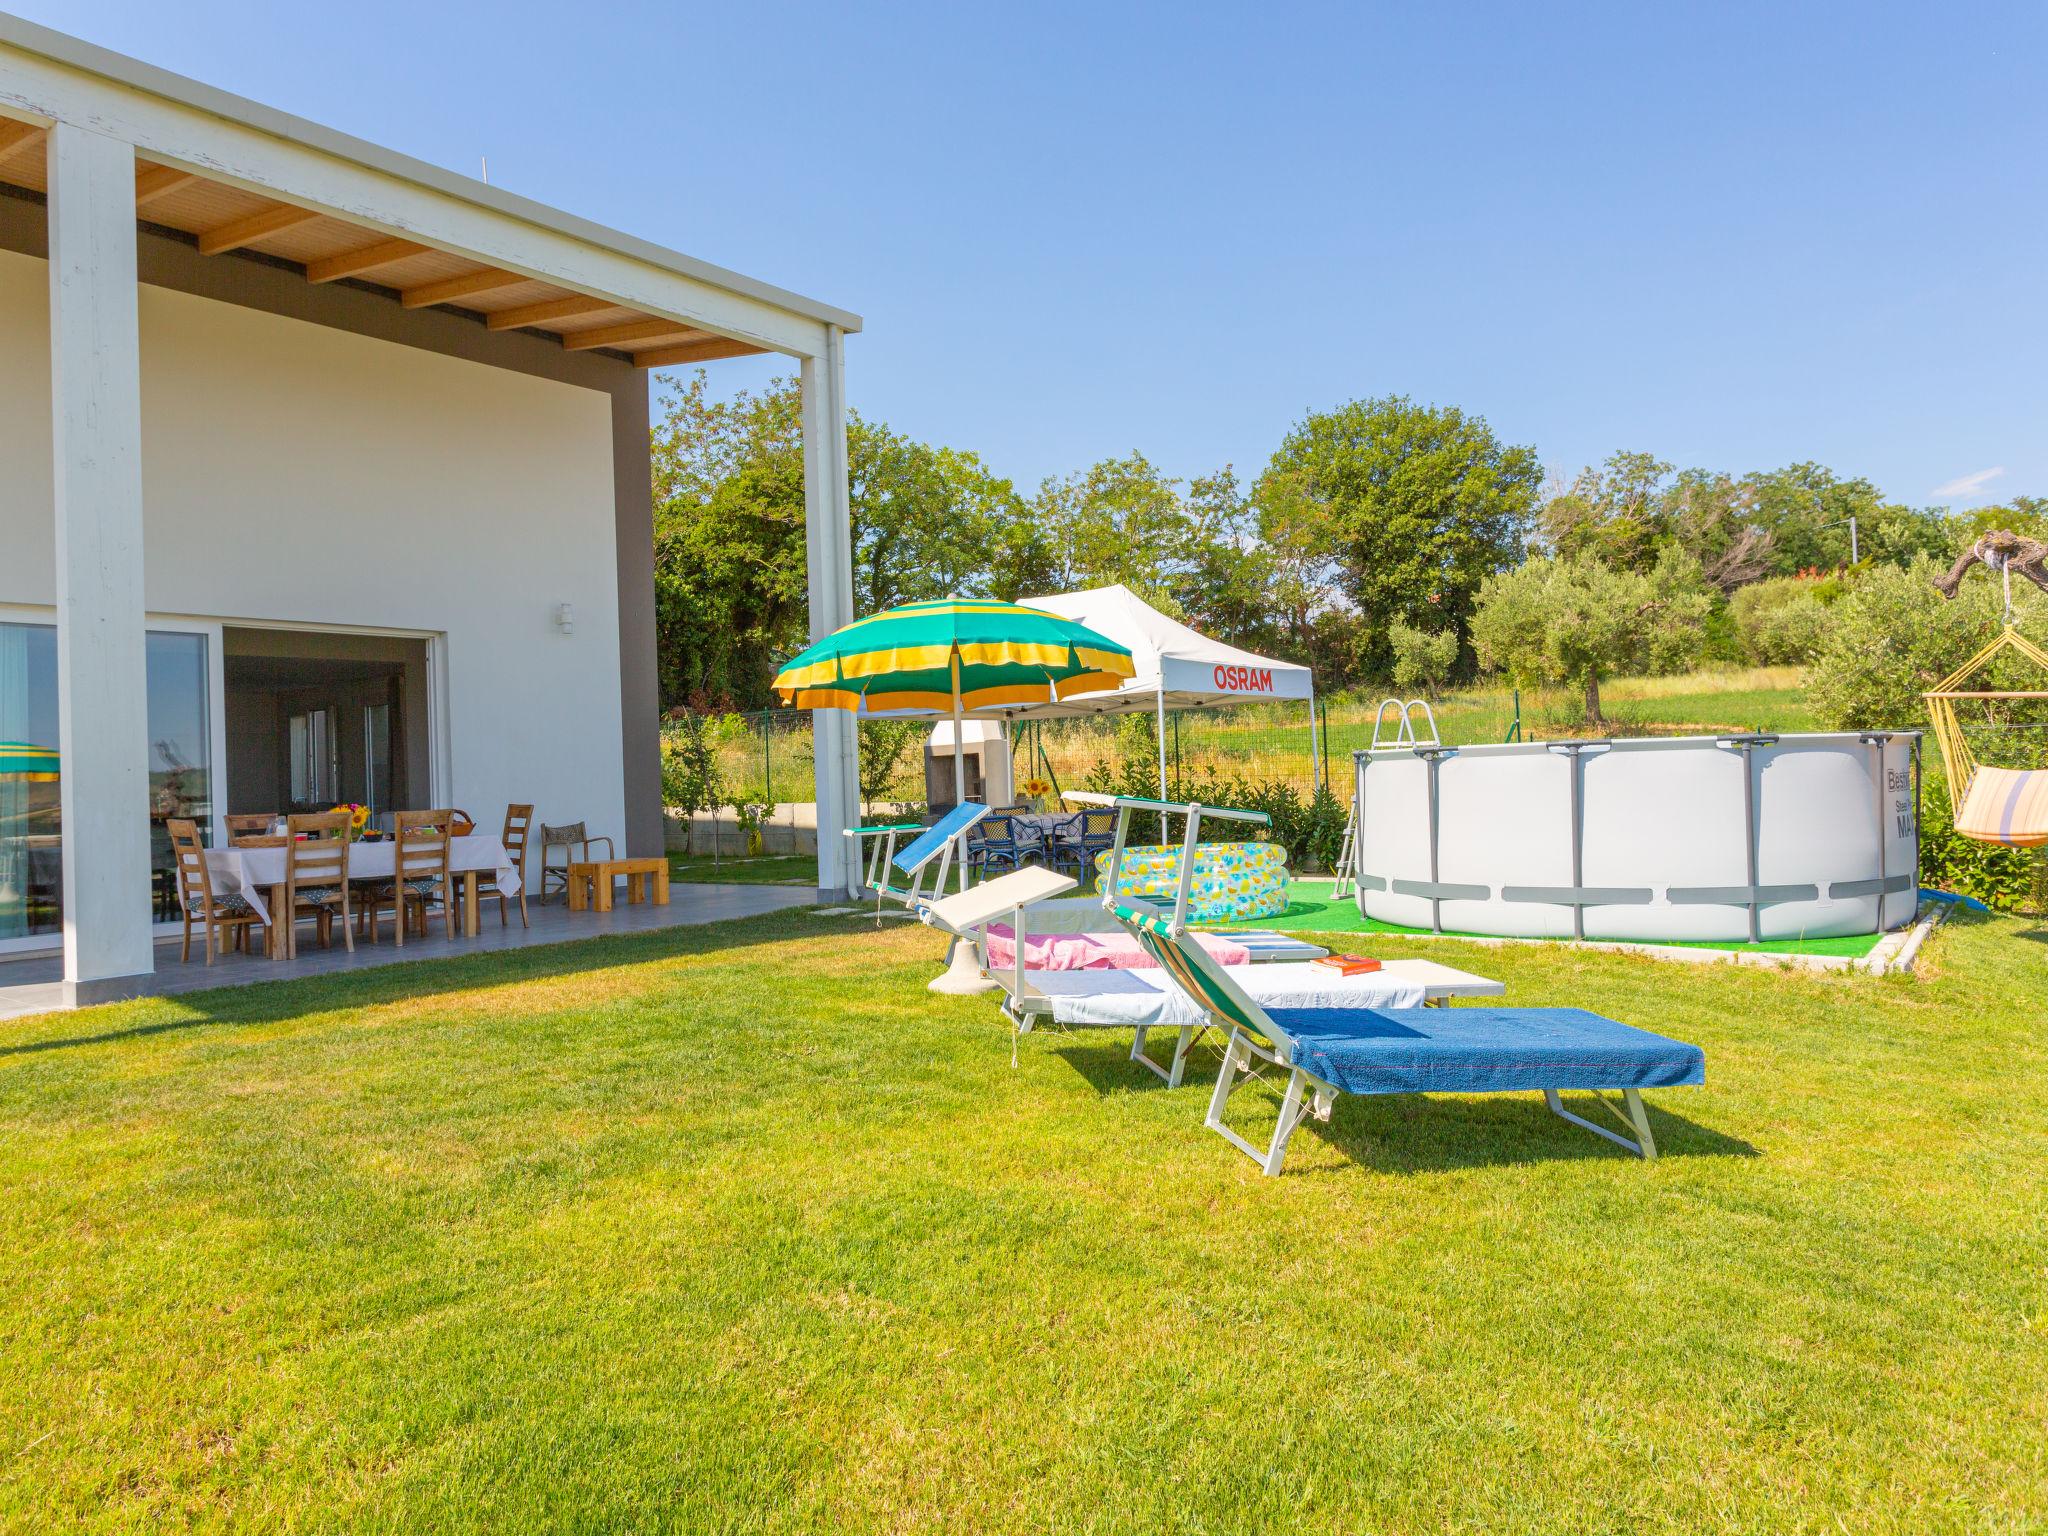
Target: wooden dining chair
[
  {"x": 419, "y": 874},
  {"x": 316, "y": 878},
  {"x": 517, "y": 838},
  {"x": 217, "y": 915},
  {"x": 244, "y": 826}
]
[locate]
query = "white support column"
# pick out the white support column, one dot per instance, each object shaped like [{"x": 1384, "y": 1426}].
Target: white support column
[
  {"x": 829, "y": 535},
  {"x": 102, "y": 695}
]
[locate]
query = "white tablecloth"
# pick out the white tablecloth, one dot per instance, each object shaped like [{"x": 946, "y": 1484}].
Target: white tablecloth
[
  {"x": 249, "y": 872},
  {"x": 1120, "y": 999}
]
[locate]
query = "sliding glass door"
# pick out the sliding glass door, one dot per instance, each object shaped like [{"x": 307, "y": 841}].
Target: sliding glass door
[{"x": 181, "y": 777}]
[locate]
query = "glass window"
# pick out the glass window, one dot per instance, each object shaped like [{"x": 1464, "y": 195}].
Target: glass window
[
  {"x": 313, "y": 760},
  {"x": 180, "y": 760},
  {"x": 31, "y": 881},
  {"x": 377, "y": 757},
  {"x": 180, "y": 770}
]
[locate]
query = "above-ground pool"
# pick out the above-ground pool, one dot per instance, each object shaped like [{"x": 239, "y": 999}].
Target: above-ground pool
[{"x": 1698, "y": 837}]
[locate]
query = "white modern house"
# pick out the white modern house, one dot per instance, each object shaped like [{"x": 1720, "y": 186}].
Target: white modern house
[{"x": 327, "y": 478}]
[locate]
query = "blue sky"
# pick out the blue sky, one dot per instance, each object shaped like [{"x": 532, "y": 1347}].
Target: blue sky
[{"x": 1732, "y": 235}]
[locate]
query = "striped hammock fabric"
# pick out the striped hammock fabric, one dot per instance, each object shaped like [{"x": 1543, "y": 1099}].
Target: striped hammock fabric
[
  {"x": 1992, "y": 805},
  {"x": 2006, "y": 805}
]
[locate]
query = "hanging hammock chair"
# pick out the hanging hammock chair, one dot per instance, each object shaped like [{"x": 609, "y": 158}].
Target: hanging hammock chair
[{"x": 2008, "y": 806}]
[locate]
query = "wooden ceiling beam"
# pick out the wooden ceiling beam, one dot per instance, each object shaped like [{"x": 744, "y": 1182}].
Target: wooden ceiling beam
[
  {"x": 236, "y": 233},
  {"x": 695, "y": 352},
  {"x": 366, "y": 258},
  {"x": 465, "y": 285},
  {"x": 568, "y": 307},
  {"x": 17, "y": 135},
  {"x": 155, "y": 181},
  {"x": 635, "y": 331}
]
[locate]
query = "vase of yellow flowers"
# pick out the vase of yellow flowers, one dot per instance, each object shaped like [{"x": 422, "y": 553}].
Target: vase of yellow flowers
[
  {"x": 358, "y": 817},
  {"x": 1036, "y": 792}
]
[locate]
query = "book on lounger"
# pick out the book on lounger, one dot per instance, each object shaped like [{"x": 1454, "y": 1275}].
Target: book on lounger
[{"x": 1347, "y": 965}]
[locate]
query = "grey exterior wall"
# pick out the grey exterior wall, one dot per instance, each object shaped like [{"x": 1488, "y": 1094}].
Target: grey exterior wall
[{"x": 169, "y": 259}]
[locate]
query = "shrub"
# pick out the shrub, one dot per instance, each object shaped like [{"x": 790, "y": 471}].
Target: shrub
[
  {"x": 1780, "y": 622},
  {"x": 1892, "y": 637},
  {"x": 1311, "y": 828},
  {"x": 1422, "y": 660}
]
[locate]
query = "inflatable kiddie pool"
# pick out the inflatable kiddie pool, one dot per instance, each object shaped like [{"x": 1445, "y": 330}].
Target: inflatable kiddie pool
[
  {"x": 1234, "y": 882},
  {"x": 1737, "y": 838}
]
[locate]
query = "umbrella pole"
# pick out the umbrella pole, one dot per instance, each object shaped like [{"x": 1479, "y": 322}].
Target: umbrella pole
[
  {"x": 962, "y": 975},
  {"x": 959, "y": 767}
]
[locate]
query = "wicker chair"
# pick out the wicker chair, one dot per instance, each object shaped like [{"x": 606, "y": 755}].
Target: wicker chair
[{"x": 566, "y": 837}]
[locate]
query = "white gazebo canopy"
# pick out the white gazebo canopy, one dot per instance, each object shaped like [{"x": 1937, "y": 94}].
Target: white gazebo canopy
[{"x": 1176, "y": 667}]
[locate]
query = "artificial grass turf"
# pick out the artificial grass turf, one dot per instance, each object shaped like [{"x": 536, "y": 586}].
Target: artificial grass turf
[
  {"x": 739, "y": 1228},
  {"x": 1311, "y": 909}
]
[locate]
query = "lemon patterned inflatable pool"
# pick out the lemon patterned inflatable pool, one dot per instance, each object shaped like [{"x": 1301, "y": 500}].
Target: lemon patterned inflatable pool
[{"x": 1233, "y": 881}]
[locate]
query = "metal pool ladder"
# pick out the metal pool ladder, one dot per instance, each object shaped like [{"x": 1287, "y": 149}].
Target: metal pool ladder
[
  {"x": 1405, "y": 735},
  {"x": 1404, "y": 724}
]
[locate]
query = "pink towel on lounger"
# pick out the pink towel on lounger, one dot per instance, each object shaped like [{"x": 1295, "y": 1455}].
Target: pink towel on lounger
[{"x": 1092, "y": 951}]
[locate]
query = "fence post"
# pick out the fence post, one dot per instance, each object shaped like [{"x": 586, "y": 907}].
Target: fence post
[{"x": 1323, "y": 709}]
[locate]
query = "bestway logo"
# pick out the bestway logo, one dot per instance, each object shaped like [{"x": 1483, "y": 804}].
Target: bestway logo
[{"x": 1245, "y": 679}]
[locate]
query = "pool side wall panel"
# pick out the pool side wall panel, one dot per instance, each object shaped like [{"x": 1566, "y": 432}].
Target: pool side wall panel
[{"x": 1669, "y": 819}]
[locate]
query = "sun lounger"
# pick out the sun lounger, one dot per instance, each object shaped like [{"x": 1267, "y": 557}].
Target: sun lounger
[
  {"x": 932, "y": 845},
  {"x": 1150, "y": 999},
  {"x": 1326, "y": 1051}
]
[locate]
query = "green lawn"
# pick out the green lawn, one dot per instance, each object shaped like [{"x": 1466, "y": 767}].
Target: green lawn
[
  {"x": 739, "y": 1229},
  {"x": 768, "y": 870}
]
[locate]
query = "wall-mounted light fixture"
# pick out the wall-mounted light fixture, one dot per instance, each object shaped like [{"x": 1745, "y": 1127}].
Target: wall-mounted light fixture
[{"x": 565, "y": 619}]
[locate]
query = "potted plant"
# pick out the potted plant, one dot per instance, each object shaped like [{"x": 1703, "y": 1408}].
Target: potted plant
[
  {"x": 1036, "y": 792},
  {"x": 358, "y": 820}
]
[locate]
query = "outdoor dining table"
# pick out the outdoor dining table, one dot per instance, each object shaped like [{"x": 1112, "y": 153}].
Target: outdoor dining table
[
  {"x": 254, "y": 874},
  {"x": 1043, "y": 822}
]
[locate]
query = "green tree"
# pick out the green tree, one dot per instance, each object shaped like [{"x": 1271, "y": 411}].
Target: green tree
[
  {"x": 1406, "y": 508},
  {"x": 1618, "y": 513},
  {"x": 1122, "y": 521},
  {"x": 1578, "y": 621},
  {"x": 731, "y": 568},
  {"x": 1422, "y": 660},
  {"x": 883, "y": 744},
  {"x": 1892, "y": 637}
]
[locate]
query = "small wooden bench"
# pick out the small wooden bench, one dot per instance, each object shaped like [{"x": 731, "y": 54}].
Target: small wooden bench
[{"x": 590, "y": 885}]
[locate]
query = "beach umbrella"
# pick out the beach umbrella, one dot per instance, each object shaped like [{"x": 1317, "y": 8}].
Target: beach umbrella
[
  {"x": 952, "y": 655},
  {"x": 35, "y": 763}
]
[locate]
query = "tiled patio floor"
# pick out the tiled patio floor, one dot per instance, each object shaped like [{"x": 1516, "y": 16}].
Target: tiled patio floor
[{"x": 34, "y": 984}]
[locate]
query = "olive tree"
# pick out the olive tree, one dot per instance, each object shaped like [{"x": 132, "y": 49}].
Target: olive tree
[
  {"x": 1577, "y": 621},
  {"x": 1422, "y": 660}
]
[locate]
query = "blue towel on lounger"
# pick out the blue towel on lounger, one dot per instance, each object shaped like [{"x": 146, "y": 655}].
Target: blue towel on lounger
[{"x": 1483, "y": 1050}]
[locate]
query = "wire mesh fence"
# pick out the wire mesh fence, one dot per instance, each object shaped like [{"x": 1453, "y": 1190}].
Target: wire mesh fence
[{"x": 764, "y": 758}]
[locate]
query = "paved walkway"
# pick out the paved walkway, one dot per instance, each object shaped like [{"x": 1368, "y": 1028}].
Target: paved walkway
[{"x": 34, "y": 984}]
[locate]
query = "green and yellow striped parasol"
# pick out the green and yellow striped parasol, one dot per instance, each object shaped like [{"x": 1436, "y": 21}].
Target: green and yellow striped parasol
[
  {"x": 30, "y": 762},
  {"x": 952, "y": 655}
]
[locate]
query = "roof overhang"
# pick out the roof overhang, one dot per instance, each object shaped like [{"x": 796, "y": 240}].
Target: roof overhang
[{"x": 236, "y": 175}]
